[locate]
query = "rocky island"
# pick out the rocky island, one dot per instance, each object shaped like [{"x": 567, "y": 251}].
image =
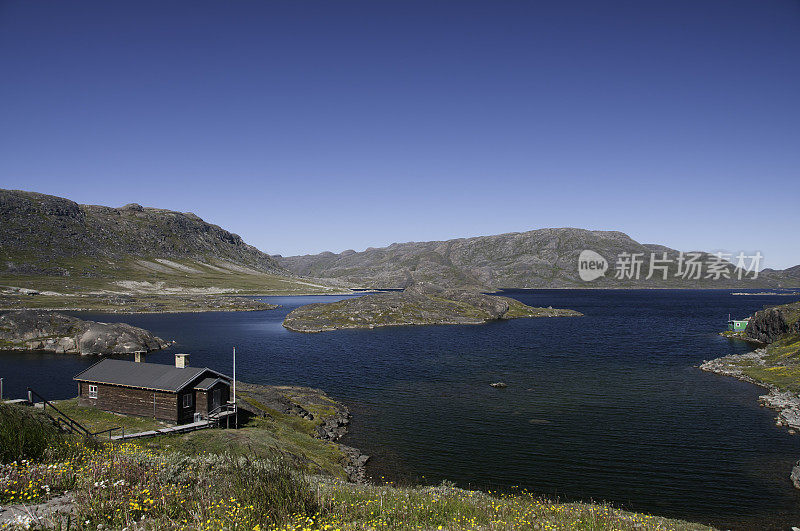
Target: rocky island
[
  {"x": 419, "y": 304},
  {"x": 60, "y": 333}
]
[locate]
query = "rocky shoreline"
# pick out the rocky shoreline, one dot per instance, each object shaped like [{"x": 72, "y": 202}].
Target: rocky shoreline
[
  {"x": 787, "y": 404},
  {"x": 775, "y": 334},
  {"x": 129, "y": 303},
  {"x": 65, "y": 334},
  {"x": 303, "y": 402},
  {"x": 334, "y": 428}
]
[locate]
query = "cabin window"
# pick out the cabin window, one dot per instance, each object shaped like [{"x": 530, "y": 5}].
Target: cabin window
[
  {"x": 187, "y": 400},
  {"x": 92, "y": 391}
]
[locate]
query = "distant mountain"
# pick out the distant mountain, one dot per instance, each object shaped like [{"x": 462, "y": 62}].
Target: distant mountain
[
  {"x": 544, "y": 258},
  {"x": 57, "y": 254},
  {"x": 44, "y": 234},
  {"x": 53, "y": 244}
]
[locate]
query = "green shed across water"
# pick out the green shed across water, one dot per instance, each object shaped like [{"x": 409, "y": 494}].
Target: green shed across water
[{"x": 735, "y": 324}]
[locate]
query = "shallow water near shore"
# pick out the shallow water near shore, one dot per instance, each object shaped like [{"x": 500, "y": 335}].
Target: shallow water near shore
[{"x": 606, "y": 407}]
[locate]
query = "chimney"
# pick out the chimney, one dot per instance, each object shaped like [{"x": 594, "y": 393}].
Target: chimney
[
  {"x": 181, "y": 360},
  {"x": 138, "y": 356}
]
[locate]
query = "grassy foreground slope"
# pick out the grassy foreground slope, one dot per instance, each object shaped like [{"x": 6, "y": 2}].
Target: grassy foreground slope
[
  {"x": 135, "y": 487},
  {"x": 291, "y": 436}
]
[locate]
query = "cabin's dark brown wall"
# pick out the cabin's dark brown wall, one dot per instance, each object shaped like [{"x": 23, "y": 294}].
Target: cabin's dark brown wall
[
  {"x": 225, "y": 392},
  {"x": 204, "y": 398},
  {"x": 129, "y": 401},
  {"x": 201, "y": 406}
]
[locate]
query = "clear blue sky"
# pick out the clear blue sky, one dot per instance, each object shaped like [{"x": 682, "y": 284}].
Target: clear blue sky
[{"x": 311, "y": 126}]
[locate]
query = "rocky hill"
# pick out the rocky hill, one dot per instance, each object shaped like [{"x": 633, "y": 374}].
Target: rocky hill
[
  {"x": 41, "y": 233},
  {"x": 544, "y": 258},
  {"x": 53, "y": 249}
]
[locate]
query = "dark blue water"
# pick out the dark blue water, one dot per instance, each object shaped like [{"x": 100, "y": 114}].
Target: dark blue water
[{"x": 607, "y": 407}]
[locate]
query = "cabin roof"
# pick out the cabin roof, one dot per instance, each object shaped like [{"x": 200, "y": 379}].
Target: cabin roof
[
  {"x": 208, "y": 383},
  {"x": 153, "y": 376}
]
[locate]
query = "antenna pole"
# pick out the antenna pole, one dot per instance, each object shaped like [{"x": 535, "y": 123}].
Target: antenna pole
[{"x": 235, "y": 410}]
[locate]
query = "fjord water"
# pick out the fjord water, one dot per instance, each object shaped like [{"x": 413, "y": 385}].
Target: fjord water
[{"x": 606, "y": 407}]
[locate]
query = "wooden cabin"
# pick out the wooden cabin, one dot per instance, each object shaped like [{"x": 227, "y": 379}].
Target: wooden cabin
[{"x": 177, "y": 394}]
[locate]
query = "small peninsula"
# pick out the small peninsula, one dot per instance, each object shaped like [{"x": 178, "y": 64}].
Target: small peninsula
[
  {"x": 419, "y": 304},
  {"x": 774, "y": 364},
  {"x": 64, "y": 334}
]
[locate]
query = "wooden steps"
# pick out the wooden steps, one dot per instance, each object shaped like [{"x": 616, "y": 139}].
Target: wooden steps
[{"x": 171, "y": 430}]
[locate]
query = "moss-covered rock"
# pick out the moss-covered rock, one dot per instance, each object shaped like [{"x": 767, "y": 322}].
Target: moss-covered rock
[{"x": 775, "y": 323}]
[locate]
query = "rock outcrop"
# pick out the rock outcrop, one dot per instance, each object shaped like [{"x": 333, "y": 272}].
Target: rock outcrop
[
  {"x": 60, "y": 333},
  {"x": 331, "y": 418},
  {"x": 420, "y": 304},
  {"x": 774, "y": 323},
  {"x": 264, "y": 400},
  {"x": 795, "y": 475},
  {"x": 261, "y": 400}
]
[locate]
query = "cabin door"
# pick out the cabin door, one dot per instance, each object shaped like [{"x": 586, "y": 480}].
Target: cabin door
[{"x": 216, "y": 398}]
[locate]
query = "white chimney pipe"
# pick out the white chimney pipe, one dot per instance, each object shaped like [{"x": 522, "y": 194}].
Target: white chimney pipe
[{"x": 181, "y": 361}]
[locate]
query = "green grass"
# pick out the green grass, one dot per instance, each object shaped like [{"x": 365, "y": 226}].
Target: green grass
[
  {"x": 260, "y": 437},
  {"x": 320, "y": 406},
  {"x": 781, "y": 366},
  {"x": 92, "y": 285},
  {"x": 734, "y": 334},
  {"x": 291, "y": 435},
  {"x": 518, "y": 310},
  {"x": 445, "y": 507},
  {"x": 96, "y": 420},
  {"x": 27, "y": 434},
  {"x": 461, "y": 308}
]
